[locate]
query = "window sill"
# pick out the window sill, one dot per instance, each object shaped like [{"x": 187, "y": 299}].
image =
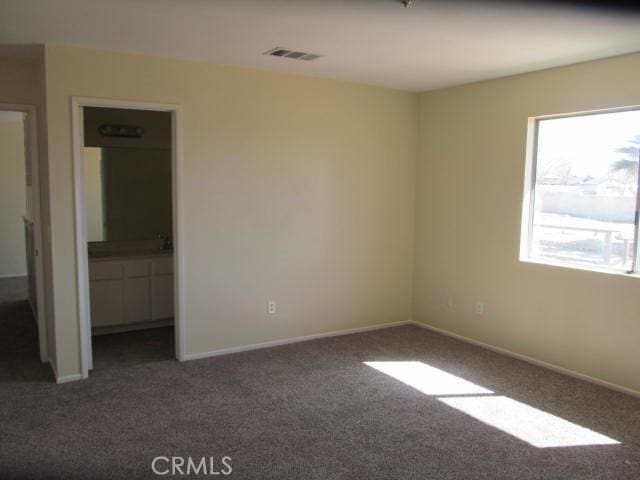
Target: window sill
[{"x": 584, "y": 268}]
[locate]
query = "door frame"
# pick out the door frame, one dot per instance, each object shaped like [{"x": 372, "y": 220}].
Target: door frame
[
  {"x": 82, "y": 257},
  {"x": 33, "y": 158}
]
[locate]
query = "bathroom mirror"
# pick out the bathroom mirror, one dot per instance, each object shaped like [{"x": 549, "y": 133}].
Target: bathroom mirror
[{"x": 127, "y": 178}]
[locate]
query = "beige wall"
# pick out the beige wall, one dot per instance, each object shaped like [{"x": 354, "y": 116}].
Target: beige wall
[
  {"x": 12, "y": 198},
  {"x": 295, "y": 189},
  {"x": 301, "y": 190},
  {"x": 469, "y": 206},
  {"x": 19, "y": 79},
  {"x": 19, "y": 84}
]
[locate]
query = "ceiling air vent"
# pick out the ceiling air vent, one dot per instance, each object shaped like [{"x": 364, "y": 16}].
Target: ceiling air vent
[{"x": 283, "y": 52}]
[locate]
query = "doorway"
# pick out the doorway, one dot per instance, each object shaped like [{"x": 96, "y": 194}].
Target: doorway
[
  {"x": 127, "y": 196},
  {"x": 21, "y": 261}
]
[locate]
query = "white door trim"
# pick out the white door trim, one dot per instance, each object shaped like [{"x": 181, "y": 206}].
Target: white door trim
[
  {"x": 82, "y": 263},
  {"x": 34, "y": 161}
]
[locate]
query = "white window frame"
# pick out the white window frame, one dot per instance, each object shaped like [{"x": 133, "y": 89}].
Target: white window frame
[{"x": 528, "y": 202}]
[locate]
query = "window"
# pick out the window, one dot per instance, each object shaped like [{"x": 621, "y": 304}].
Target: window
[{"x": 582, "y": 191}]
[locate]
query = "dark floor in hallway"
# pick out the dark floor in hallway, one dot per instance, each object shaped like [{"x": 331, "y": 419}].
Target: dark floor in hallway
[
  {"x": 19, "y": 357},
  {"x": 310, "y": 410}
]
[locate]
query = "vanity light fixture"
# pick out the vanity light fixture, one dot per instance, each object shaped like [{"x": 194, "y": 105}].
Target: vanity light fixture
[{"x": 127, "y": 131}]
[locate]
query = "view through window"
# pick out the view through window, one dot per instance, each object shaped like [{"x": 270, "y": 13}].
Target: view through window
[{"x": 585, "y": 190}]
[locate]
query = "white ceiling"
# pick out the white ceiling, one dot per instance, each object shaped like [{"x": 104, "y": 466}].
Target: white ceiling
[{"x": 430, "y": 45}]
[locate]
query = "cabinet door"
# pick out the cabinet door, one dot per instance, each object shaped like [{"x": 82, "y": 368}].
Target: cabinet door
[
  {"x": 137, "y": 306},
  {"x": 162, "y": 297},
  {"x": 107, "y": 302}
]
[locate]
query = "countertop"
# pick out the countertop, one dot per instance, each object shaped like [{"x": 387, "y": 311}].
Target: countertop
[{"x": 108, "y": 256}]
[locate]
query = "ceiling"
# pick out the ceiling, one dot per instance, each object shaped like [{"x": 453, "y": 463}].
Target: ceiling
[{"x": 430, "y": 45}]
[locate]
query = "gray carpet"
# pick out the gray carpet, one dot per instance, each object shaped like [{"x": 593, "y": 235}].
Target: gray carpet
[{"x": 304, "y": 411}]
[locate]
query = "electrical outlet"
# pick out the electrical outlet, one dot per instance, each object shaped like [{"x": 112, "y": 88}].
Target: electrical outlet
[
  {"x": 479, "y": 308},
  {"x": 271, "y": 307}
]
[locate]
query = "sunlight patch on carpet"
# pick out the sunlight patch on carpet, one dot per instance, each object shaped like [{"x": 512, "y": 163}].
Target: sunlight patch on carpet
[
  {"x": 427, "y": 379},
  {"x": 536, "y": 427}
]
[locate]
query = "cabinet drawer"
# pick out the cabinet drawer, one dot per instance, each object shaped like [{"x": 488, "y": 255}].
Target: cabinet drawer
[
  {"x": 162, "y": 266},
  {"x": 105, "y": 270},
  {"x": 137, "y": 268}
]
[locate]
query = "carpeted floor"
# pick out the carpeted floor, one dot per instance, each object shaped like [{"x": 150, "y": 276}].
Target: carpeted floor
[{"x": 304, "y": 411}]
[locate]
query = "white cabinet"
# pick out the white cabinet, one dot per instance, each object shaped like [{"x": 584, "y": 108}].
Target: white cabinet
[
  {"x": 107, "y": 302},
  {"x": 161, "y": 297},
  {"x": 105, "y": 270},
  {"x": 162, "y": 288},
  {"x": 131, "y": 291},
  {"x": 137, "y": 291},
  {"x": 137, "y": 299}
]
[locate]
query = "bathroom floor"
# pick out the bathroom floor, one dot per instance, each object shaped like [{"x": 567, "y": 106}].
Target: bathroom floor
[{"x": 133, "y": 348}]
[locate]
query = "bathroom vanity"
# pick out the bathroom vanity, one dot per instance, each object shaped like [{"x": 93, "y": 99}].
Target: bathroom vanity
[{"x": 130, "y": 291}]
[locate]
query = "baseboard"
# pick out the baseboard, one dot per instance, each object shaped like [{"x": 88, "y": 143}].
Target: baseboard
[
  {"x": 534, "y": 361},
  {"x": 69, "y": 378},
  {"x": 66, "y": 378},
  {"x": 286, "y": 341}
]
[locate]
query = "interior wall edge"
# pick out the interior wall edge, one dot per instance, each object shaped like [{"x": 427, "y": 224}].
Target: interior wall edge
[{"x": 65, "y": 378}]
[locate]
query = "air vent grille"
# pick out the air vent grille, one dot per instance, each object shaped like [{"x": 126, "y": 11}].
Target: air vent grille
[{"x": 293, "y": 54}]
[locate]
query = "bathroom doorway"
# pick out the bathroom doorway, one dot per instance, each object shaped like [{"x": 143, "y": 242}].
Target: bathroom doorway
[{"x": 126, "y": 167}]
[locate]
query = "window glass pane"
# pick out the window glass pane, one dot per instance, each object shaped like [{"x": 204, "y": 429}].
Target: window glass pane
[{"x": 585, "y": 190}]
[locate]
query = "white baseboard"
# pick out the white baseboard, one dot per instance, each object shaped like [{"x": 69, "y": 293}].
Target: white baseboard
[
  {"x": 286, "y": 341},
  {"x": 69, "y": 378},
  {"x": 534, "y": 361},
  {"x": 66, "y": 378}
]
